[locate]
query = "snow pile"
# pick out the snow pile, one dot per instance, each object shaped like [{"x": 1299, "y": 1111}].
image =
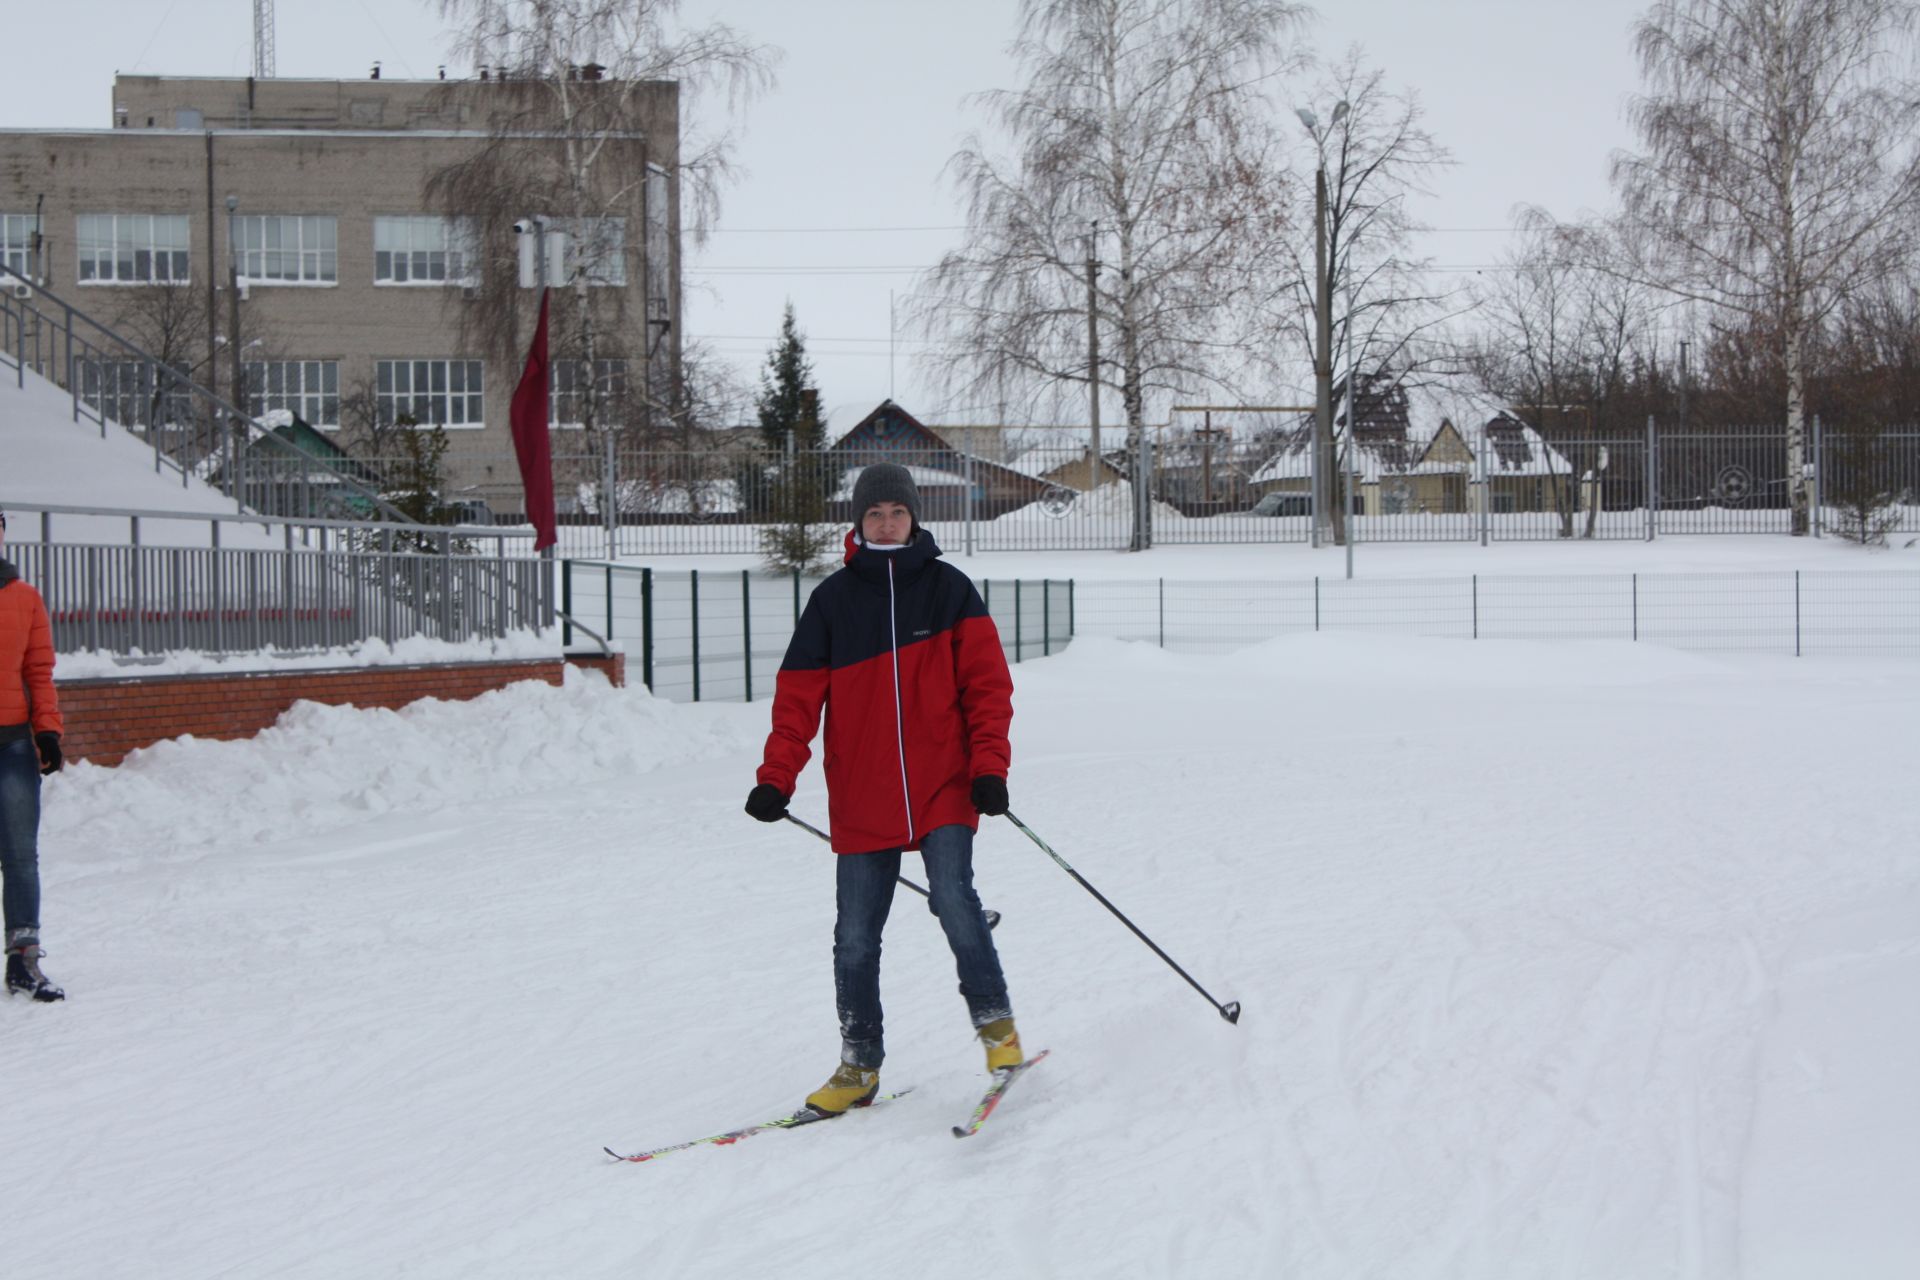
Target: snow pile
[{"x": 324, "y": 767}]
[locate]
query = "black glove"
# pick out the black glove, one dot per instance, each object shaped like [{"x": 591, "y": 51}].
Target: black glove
[
  {"x": 990, "y": 794},
  {"x": 767, "y": 802},
  {"x": 51, "y": 759}
]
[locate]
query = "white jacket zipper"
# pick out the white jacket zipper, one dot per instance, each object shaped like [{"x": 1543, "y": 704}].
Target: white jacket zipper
[{"x": 899, "y": 715}]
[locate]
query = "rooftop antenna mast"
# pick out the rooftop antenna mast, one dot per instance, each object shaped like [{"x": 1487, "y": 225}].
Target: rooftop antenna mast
[{"x": 263, "y": 39}]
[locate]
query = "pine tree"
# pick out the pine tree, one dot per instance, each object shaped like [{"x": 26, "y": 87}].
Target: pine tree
[
  {"x": 784, "y": 387},
  {"x": 789, "y": 406}
]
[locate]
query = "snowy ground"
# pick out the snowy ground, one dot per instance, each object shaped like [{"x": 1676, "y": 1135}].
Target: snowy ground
[{"x": 1574, "y": 960}]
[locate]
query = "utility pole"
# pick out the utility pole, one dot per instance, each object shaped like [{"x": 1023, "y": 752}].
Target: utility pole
[
  {"x": 1093, "y": 362},
  {"x": 1208, "y": 434}
]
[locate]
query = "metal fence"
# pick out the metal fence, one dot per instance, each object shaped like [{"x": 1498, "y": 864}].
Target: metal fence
[
  {"x": 694, "y": 636},
  {"x": 729, "y": 498},
  {"x": 1806, "y": 613},
  {"x": 326, "y": 583}
]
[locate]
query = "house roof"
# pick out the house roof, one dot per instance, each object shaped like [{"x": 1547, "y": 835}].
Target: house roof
[{"x": 1398, "y": 424}]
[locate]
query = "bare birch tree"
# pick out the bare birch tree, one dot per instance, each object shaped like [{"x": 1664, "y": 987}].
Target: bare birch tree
[
  {"x": 1558, "y": 339},
  {"x": 1376, "y": 156},
  {"x": 1146, "y": 119},
  {"x": 579, "y": 98},
  {"x": 1778, "y": 171}
]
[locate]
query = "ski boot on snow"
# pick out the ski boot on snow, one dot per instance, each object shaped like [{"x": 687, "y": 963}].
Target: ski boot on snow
[
  {"x": 24, "y": 977},
  {"x": 848, "y": 1087},
  {"x": 1003, "y": 1045}
]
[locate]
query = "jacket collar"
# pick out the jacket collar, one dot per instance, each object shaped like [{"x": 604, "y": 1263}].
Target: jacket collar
[{"x": 908, "y": 562}]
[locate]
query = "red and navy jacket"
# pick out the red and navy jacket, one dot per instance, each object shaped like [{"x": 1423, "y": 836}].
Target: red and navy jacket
[{"x": 898, "y": 649}]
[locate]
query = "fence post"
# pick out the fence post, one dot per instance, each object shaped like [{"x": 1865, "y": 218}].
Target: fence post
[
  {"x": 796, "y": 597},
  {"x": 693, "y": 594},
  {"x": 646, "y": 628},
  {"x": 1016, "y": 619},
  {"x": 1070, "y": 618},
  {"x": 1316, "y": 602},
  {"x": 1163, "y": 613},
  {"x": 1636, "y": 607},
  {"x": 609, "y": 572},
  {"x": 610, "y": 501},
  {"x": 1476, "y": 606},
  {"x": 566, "y": 603},
  {"x": 746, "y": 630},
  {"x": 1796, "y": 609},
  {"x": 969, "y": 482},
  {"x": 1486, "y": 492},
  {"x": 1046, "y": 617},
  {"x": 1653, "y": 482},
  {"x": 1819, "y": 480}
]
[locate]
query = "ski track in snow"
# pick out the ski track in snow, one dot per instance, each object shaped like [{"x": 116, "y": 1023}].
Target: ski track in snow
[{"x": 1555, "y": 963}]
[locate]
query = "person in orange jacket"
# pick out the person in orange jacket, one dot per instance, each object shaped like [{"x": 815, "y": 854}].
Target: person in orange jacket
[{"x": 29, "y": 748}]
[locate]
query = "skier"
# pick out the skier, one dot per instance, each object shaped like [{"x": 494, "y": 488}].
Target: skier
[
  {"x": 898, "y": 648},
  {"x": 29, "y": 747}
]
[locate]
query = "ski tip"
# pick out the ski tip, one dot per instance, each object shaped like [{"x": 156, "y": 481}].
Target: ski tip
[
  {"x": 958, "y": 1132},
  {"x": 993, "y": 919},
  {"x": 1231, "y": 1012}
]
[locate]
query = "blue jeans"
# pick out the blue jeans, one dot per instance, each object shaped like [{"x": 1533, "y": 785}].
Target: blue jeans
[
  {"x": 864, "y": 894},
  {"x": 20, "y": 834}
]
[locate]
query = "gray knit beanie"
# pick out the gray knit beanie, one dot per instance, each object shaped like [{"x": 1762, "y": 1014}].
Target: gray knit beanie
[{"x": 885, "y": 482}]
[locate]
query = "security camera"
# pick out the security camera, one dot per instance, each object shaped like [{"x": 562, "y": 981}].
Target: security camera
[{"x": 523, "y": 226}]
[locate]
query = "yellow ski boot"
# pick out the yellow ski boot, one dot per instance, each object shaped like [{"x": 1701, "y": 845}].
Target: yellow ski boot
[
  {"x": 1003, "y": 1044},
  {"x": 848, "y": 1087}
]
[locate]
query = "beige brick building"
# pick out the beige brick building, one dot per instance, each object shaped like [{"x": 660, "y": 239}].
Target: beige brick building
[{"x": 312, "y": 193}]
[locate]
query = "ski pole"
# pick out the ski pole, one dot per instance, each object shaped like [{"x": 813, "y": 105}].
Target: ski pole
[
  {"x": 993, "y": 917},
  {"x": 1230, "y": 1011}
]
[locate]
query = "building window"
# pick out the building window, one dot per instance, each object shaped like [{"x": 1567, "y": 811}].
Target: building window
[
  {"x": 445, "y": 393},
  {"x": 599, "y": 252},
  {"x": 422, "y": 250},
  {"x": 277, "y": 249},
  {"x": 132, "y": 248},
  {"x": 567, "y": 406},
  {"x": 309, "y": 389},
  {"x": 16, "y": 242},
  {"x": 135, "y": 393}
]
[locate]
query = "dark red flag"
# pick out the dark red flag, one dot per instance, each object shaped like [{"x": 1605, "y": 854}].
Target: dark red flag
[{"x": 530, "y": 443}]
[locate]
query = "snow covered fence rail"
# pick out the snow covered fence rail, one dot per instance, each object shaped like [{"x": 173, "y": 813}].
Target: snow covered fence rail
[
  {"x": 1806, "y": 613},
  {"x": 703, "y": 636}
]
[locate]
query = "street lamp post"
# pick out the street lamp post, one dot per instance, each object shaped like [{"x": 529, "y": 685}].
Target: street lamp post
[
  {"x": 1322, "y": 327},
  {"x": 238, "y": 372}
]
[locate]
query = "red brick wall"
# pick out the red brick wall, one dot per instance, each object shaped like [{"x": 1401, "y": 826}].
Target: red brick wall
[{"x": 105, "y": 719}]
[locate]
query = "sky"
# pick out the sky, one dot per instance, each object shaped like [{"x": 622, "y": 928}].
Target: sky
[{"x": 841, "y": 199}]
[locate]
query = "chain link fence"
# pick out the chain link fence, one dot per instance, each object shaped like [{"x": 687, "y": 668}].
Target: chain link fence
[
  {"x": 729, "y": 499},
  {"x": 1806, "y": 613}
]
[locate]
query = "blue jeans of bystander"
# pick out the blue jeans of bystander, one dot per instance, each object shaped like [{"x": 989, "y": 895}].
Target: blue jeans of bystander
[{"x": 20, "y": 834}]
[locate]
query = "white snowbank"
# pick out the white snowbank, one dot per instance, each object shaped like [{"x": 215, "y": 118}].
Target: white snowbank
[
  {"x": 1577, "y": 961},
  {"x": 408, "y": 650}
]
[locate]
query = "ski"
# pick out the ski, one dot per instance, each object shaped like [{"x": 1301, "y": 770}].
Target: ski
[
  {"x": 804, "y": 1116},
  {"x": 1002, "y": 1081}
]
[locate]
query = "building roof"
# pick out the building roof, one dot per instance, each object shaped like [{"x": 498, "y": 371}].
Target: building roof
[{"x": 1398, "y": 424}]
